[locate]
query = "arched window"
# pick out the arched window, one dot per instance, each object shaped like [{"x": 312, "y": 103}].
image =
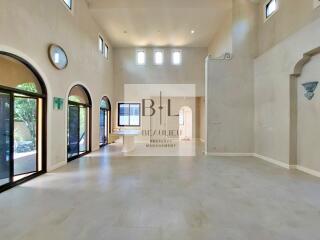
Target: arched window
[
  {"x": 79, "y": 122},
  {"x": 105, "y": 121},
  {"x": 23, "y": 121}
]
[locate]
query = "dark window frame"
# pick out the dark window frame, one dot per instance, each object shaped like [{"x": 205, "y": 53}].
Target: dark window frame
[{"x": 129, "y": 125}]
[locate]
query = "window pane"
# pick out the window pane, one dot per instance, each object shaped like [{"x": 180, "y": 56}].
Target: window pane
[
  {"x": 100, "y": 44},
  {"x": 271, "y": 8},
  {"x": 25, "y": 135},
  {"x": 68, "y": 3},
  {"x": 141, "y": 57},
  {"x": 73, "y": 131},
  {"x": 102, "y": 126},
  {"x": 124, "y": 114},
  {"x": 134, "y": 114},
  {"x": 78, "y": 94},
  {"x": 83, "y": 130},
  {"x": 158, "y": 57},
  {"x": 124, "y": 109},
  {"x": 176, "y": 58},
  {"x": 15, "y": 74},
  {"x": 4, "y": 138}
]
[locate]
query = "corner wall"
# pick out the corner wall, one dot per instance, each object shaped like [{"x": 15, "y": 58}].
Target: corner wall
[{"x": 229, "y": 88}]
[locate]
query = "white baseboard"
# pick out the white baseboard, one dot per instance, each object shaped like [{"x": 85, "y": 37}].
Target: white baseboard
[
  {"x": 56, "y": 166},
  {"x": 308, "y": 171},
  {"x": 271, "y": 160},
  {"x": 230, "y": 154}
]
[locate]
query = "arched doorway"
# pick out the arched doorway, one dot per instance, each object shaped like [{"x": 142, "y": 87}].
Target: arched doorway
[
  {"x": 105, "y": 121},
  {"x": 185, "y": 123},
  {"x": 303, "y": 118},
  {"x": 79, "y": 122},
  {"x": 23, "y": 100}
]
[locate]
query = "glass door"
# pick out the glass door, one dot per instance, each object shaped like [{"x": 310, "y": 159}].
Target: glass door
[
  {"x": 78, "y": 122},
  {"x": 5, "y": 129},
  {"x": 73, "y": 131},
  {"x": 104, "y": 127}
]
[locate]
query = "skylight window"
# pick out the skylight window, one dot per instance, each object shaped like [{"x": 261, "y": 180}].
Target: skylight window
[
  {"x": 141, "y": 57},
  {"x": 271, "y": 8},
  {"x": 68, "y": 3},
  {"x": 176, "y": 57},
  {"x": 158, "y": 58}
]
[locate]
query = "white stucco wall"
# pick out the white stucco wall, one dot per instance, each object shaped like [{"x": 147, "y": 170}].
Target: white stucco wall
[
  {"x": 230, "y": 88},
  {"x": 308, "y": 120},
  {"x": 27, "y": 28},
  {"x": 272, "y": 99}
]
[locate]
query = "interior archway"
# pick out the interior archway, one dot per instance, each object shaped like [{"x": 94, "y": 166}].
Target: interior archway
[
  {"x": 23, "y": 101},
  {"x": 105, "y": 121},
  {"x": 298, "y": 69},
  {"x": 79, "y": 122}
]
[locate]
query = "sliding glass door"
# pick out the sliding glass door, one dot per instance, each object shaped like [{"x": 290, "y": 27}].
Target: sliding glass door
[
  {"x": 22, "y": 121},
  {"x": 79, "y": 118},
  {"x": 77, "y": 130},
  {"x": 104, "y": 122},
  {"x": 20, "y": 140},
  {"x": 73, "y": 131}
]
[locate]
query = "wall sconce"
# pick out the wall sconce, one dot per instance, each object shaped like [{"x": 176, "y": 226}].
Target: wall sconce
[{"x": 310, "y": 87}]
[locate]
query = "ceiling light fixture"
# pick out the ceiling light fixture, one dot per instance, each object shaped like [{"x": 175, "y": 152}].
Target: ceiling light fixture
[{"x": 192, "y": 31}]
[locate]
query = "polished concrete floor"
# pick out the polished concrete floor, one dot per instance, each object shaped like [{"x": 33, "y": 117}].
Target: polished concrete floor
[{"x": 107, "y": 196}]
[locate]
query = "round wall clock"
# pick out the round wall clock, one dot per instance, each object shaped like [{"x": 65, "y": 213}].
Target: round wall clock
[{"x": 58, "y": 57}]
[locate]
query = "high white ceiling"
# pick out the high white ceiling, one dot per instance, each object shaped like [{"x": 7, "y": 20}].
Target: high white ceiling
[{"x": 135, "y": 23}]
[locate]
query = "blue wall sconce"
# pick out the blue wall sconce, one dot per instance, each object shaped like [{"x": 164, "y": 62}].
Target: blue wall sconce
[{"x": 309, "y": 88}]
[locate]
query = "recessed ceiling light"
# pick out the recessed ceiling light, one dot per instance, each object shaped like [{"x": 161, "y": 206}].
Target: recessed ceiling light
[{"x": 192, "y": 31}]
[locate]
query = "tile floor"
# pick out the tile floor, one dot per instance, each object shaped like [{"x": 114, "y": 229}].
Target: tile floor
[{"x": 108, "y": 196}]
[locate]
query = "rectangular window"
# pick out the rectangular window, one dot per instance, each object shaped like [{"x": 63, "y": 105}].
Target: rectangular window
[
  {"x": 176, "y": 57},
  {"x": 101, "y": 44},
  {"x": 129, "y": 114},
  {"x": 68, "y": 3},
  {"x": 271, "y": 7},
  {"x": 141, "y": 57},
  {"x": 158, "y": 57},
  {"x": 106, "y": 51}
]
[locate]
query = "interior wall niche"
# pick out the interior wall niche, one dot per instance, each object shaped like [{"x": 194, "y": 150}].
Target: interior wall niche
[{"x": 303, "y": 112}]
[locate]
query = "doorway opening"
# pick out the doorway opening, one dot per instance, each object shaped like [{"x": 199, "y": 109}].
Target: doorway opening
[
  {"x": 23, "y": 121},
  {"x": 79, "y": 123},
  {"x": 185, "y": 123},
  {"x": 105, "y": 121}
]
